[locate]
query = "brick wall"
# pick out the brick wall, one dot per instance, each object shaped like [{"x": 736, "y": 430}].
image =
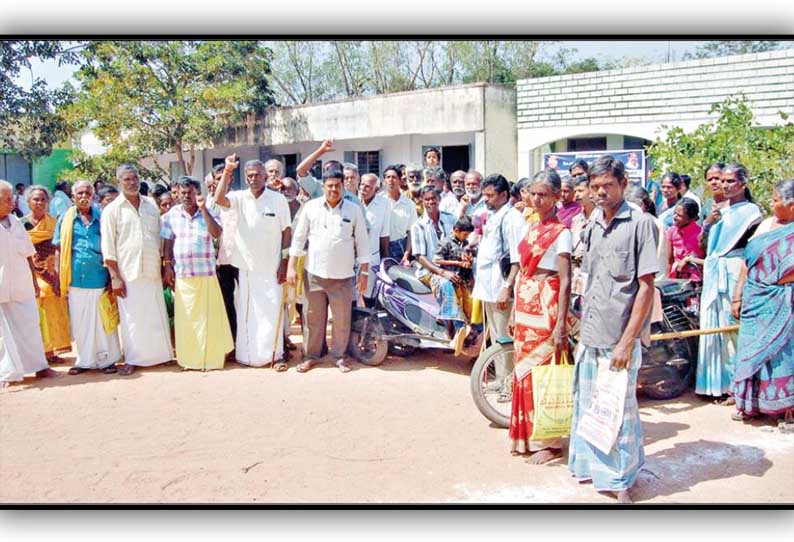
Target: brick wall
[{"x": 677, "y": 91}]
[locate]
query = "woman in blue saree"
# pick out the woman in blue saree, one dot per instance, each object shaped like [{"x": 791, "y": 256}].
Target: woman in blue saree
[
  {"x": 764, "y": 368},
  {"x": 721, "y": 268}
]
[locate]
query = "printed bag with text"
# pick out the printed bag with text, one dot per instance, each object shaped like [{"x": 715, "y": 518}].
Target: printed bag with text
[
  {"x": 109, "y": 312},
  {"x": 552, "y": 391}
]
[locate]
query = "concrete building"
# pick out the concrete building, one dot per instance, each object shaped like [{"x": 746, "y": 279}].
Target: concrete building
[
  {"x": 625, "y": 108},
  {"x": 474, "y": 126}
]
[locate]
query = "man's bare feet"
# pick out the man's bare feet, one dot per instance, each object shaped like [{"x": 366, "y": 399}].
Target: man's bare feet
[
  {"x": 544, "y": 456},
  {"x": 730, "y": 401},
  {"x": 47, "y": 373},
  {"x": 624, "y": 497}
]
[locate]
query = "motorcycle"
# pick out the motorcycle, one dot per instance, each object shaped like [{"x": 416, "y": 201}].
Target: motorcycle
[
  {"x": 667, "y": 370},
  {"x": 403, "y": 318}
]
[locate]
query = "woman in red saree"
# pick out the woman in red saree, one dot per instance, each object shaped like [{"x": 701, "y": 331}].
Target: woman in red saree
[{"x": 540, "y": 319}]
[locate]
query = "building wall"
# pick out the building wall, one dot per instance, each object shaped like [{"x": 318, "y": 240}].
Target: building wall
[
  {"x": 399, "y": 125},
  {"x": 637, "y": 101}
]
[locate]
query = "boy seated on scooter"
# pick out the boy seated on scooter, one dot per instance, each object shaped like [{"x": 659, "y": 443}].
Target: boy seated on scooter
[{"x": 454, "y": 254}]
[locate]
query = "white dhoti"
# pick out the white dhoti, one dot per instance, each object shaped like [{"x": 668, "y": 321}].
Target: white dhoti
[
  {"x": 145, "y": 331},
  {"x": 21, "y": 346},
  {"x": 95, "y": 348},
  {"x": 258, "y": 303}
]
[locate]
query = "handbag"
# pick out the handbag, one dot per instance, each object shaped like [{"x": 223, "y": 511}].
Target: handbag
[{"x": 552, "y": 395}]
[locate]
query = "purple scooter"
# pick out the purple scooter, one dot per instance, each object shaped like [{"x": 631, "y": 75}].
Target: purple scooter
[{"x": 404, "y": 317}]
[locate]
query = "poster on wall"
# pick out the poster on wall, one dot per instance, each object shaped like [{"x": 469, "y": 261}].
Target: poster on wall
[{"x": 633, "y": 160}]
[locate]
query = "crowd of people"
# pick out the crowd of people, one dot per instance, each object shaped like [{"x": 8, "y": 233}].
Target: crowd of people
[{"x": 127, "y": 275}]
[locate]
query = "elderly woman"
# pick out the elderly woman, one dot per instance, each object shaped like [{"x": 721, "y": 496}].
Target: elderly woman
[
  {"x": 21, "y": 352},
  {"x": 54, "y": 314},
  {"x": 85, "y": 278},
  {"x": 724, "y": 254},
  {"x": 540, "y": 316},
  {"x": 763, "y": 380}
]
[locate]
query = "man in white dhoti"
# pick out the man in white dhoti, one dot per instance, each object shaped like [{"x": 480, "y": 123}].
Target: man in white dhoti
[
  {"x": 130, "y": 227},
  {"x": 21, "y": 346},
  {"x": 260, "y": 253},
  {"x": 85, "y": 279}
]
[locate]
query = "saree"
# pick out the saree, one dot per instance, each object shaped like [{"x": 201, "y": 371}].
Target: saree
[
  {"x": 536, "y": 308},
  {"x": 53, "y": 310},
  {"x": 714, "y": 373},
  {"x": 764, "y": 367}
]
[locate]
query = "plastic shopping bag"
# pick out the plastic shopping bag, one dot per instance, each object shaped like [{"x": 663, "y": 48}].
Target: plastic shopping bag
[
  {"x": 552, "y": 393},
  {"x": 601, "y": 422},
  {"x": 109, "y": 312}
]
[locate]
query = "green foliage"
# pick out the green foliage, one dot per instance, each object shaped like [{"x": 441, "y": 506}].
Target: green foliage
[
  {"x": 145, "y": 98},
  {"x": 102, "y": 167},
  {"x": 718, "y": 48},
  {"x": 733, "y": 136},
  {"x": 313, "y": 71},
  {"x": 29, "y": 121}
]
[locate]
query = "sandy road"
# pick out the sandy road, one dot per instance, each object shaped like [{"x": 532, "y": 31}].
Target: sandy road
[{"x": 404, "y": 432}]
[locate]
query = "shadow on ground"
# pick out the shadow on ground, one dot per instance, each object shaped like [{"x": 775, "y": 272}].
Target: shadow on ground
[{"x": 677, "y": 470}]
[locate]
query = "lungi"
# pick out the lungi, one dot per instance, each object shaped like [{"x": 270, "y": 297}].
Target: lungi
[
  {"x": 203, "y": 335},
  {"x": 258, "y": 303},
  {"x": 617, "y": 470},
  {"x": 95, "y": 349},
  {"x": 145, "y": 333},
  {"x": 21, "y": 347}
]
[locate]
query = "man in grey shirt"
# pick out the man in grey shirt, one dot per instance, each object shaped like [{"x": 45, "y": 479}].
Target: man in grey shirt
[{"x": 620, "y": 264}]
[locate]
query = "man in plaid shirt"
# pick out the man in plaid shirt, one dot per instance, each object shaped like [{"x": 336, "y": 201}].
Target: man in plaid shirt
[{"x": 189, "y": 268}]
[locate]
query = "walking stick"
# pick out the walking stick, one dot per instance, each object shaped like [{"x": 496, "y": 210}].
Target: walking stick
[
  {"x": 693, "y": 333},
  {"x": 279, "y": 331}
]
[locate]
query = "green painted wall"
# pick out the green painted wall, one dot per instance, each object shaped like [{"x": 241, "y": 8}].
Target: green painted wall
[{"x": 47, "y": 170}]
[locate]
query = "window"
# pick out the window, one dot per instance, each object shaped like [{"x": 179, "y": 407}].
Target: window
[
  {"x": 368, "y": 162},
  {"x": 455, "y": 157},
  {"x": 630, "y": 142},
  {"x": 235, "y": 185},
  {"x": 587, "y": 144}
]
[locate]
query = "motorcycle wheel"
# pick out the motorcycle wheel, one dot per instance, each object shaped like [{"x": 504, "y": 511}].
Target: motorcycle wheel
[
  {"x": 401, "y": 350},
  {"x": 370, "y": 352},
  {"x": 675, "y": 381},
  {"x": 496, "y": 406}
]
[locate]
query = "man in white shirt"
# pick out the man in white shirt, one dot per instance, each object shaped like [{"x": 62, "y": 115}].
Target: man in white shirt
[
  {"x": 501, "y": 234},
  {"x": 227, "y": 273},
  {"x": 450, "y": 202},
  {"x": 403, "y": 216},
  {"x": 130, "y": 228},
  {"x": 21, "y": 346},
  {"x": 352, "y": 180},
  {"x": 377, "y": 213},
  {"x": 336, "y": 231},
  {"x": 260, "y": 251},
  {"x": 20, "y": 204}
]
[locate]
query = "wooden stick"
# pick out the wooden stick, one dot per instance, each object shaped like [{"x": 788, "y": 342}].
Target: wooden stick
[
  {"x": 693, "y": 333},
  {"x": 279, "y": 328}
]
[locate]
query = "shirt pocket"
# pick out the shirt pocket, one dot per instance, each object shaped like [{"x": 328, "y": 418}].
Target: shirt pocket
[
  {"x": 620, "y": 266},
  {"x": 341, "y": 229}
]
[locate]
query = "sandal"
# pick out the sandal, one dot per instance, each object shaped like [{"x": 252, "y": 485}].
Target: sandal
[
  {"x": 280, "y": 366},
  {"x": 343, "y": 366},
  {"x": 76, "y": 370},
  {"x": 307, "y": 365},
  {"x": 742, "y": 416},
  {"x": 109, "y": 370},
  {"x": 126, "y": 370}
]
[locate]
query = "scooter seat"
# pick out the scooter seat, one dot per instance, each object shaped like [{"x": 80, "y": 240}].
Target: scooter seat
[{"x": 405, "y": 278}]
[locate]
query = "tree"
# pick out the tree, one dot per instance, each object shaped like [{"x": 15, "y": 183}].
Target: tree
[
  {"x": 717, "y": 48},
  {"x": 733, "y": 136},
  {"x": 29, "y": 120},
  {"x": 145, "y": 98}
]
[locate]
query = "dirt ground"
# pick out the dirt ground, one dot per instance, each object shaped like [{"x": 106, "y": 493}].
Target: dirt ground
[{"x": 404, "y": 432}]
